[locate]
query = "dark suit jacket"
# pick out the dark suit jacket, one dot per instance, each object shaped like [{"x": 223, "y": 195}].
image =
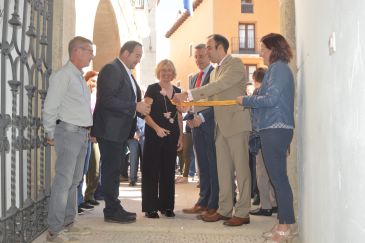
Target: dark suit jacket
[
  {"x": 115, "y": 109},
  {"x": 207, "y": 112}
]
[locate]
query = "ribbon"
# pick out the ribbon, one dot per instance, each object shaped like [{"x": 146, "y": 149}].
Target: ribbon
[{"x": 206, "y": 103}]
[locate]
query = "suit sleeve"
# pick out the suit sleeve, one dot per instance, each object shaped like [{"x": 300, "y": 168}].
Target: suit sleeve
[
  {"x": 230, "y": 77},
  {"x": 112, "y": 90},
  {"x": 208, "y": 114}
]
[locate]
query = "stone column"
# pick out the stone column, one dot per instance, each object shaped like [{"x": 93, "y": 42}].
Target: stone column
[
  {"x": 287, "y": 28},
  {"x": 64, "y": 22}
]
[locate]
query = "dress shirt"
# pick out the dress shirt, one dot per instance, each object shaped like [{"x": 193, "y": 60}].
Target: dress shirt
[
  {"x": 190, "y": 97},
  {"x": 131, "y": 79},
  {"x": 68, "y": 99}
]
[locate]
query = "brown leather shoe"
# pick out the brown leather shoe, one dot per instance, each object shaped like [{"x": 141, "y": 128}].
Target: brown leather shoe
[
  {"x": 214, "y": 217},
  {"x": 237, "y": 221},
  {"x": 205, "y": 213},
  {"x": 195, "y": 209}
]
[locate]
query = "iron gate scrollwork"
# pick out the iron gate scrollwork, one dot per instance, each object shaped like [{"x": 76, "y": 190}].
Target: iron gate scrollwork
[{"x": 25, "y": 62}]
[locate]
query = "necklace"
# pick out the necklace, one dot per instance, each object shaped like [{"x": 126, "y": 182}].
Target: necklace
[{"x": 168, "y": 113}]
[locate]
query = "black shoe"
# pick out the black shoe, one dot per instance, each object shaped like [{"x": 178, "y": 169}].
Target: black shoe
[
  {"x": 86, "y": 206},
  {"x": 256, "y": 200},
  {"x": 124, "y": 212},
  {"x": 151, "y": 215},
  {"x": 274, "y": 210},
  {"x": 117, "y": 217},
  {"x": 168, "y": 213},
  {"x": 93, "y": 202},
  {"x": 261, "y": 212},
  {"x": 80, "y": 211},
  {"x": 132, "y": 183}
]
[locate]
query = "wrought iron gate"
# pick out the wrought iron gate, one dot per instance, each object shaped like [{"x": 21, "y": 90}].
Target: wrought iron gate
[{"x": 25, "y": 61}]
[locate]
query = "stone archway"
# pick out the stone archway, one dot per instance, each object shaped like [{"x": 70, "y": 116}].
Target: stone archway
[{"x": 106, "y": 35}]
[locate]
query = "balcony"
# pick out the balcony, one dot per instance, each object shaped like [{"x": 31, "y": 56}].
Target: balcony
[
  {"x": 137, "y": 4},
  {"x": 242, "y": 47},
  {"x": 247, "y": 8}
]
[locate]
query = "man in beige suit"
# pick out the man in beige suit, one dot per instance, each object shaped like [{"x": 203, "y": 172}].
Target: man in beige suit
[{"x": 233, "y": 124}]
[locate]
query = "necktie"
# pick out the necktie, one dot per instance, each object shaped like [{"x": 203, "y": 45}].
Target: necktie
[{"x": 199, "y": 79}]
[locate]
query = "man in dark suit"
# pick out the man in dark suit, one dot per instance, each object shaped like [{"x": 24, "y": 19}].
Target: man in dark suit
[
  {"x": 203, "y": 139},
  {"x": 118, "y": 101}
]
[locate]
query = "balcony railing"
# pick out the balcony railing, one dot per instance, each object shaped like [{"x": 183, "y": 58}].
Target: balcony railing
[
  {"x": 247, "y": 8},
  {"x": 243, "y": 48}
]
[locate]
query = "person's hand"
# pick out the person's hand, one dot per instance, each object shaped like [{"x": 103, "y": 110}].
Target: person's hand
[
  {"x": 190, "y": 123},
  {"x": 183, "y": 109},
  {"x": 148, "y": 100},
  {"x": 180, "y": 97},
  {"x": 161, "y": 132},
  {"x": 93, "y": 139},
  {"x": 143, "y": 108},
  {"x": 197, "y": 121},
  {"x": 239, "y": 100},
  {"x": 180, "y": 144},
  {"x": 50, "y": 141}
]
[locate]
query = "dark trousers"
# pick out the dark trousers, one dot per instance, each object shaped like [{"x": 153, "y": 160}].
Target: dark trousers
[
  {"x": 252, "y": 163},
  {"x": 274, "y": 145},
  {"x": 158, "y": 173},
  {"x": 92, "y": 176},
  {"x": 204, "y": 144},
  {"x": 112, "y": 154},
  {"x": 185, "y": 154}
]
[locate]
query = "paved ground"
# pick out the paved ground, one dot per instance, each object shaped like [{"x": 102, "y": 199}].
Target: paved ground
[{"x": 183, "y": 228}]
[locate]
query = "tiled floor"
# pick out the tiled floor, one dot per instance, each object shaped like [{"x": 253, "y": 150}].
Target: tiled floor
[{"x": 182, "y": 228}]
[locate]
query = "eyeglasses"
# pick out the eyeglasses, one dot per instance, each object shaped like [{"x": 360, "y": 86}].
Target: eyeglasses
[{"x": 90, "y": 51}]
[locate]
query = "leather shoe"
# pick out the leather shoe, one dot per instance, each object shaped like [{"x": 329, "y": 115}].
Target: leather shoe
[
  {"x": 196, "y": 209},
  {"x": 151, "y": 215},
  {"x": 117, "y": 217},
  {"x": 206, "y": 213},
  {"x": 261, "y": 212},
  {"x": 256, "y": 200},
  {"x": 123, "y": 211},
  {"x": 237, "y": 221},
  {"x": 93, "y": 202},
  {"x": 214, "y": 217},
  {"x": 168, "y": 213}
]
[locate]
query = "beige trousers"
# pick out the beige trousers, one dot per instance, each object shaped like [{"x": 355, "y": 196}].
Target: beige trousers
[
  {"x": 232, "y": 163},
  {"x": 266, "y": 191}
]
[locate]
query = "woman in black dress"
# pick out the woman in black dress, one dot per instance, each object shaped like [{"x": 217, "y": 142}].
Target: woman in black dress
[{"x": 163, "y": 138}]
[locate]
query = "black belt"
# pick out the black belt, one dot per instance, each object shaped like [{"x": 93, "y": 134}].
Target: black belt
[{"x": 59, "y": 121}]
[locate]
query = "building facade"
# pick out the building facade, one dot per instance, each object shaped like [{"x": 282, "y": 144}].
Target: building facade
[{"x": 242, "y": 22}]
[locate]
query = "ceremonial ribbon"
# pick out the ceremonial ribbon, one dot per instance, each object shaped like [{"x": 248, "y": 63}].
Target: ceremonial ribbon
[{"x": 206, "y": 103}]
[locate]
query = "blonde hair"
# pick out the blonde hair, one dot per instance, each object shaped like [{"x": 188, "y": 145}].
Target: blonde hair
[{"x": 162, "y": 64}]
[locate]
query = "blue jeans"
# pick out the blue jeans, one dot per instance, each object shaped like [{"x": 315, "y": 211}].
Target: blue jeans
[
  {"x": 274, "y": 145},
  {"x": 134, "y": 155},
  {"x": 80, "y": 197},
  {"x": 71, "y": 145}
]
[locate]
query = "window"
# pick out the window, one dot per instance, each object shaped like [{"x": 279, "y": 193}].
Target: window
[
  {"x": 246, "y": 35},
  {"x": 249, "y": 71},
  {"x": 246, "y": 6}
]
